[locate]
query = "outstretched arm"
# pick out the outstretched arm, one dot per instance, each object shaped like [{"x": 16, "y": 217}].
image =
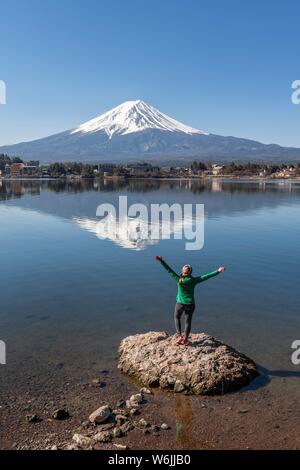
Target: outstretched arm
[
  {"x": 207, "y": 276},
  {"x": 168, "y": 269}
]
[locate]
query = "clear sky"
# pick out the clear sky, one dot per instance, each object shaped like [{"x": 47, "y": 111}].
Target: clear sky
[{"x": 222, "y": 66}]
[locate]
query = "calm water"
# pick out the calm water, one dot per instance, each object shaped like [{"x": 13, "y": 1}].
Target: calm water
[{"x": 69, "y": 296}]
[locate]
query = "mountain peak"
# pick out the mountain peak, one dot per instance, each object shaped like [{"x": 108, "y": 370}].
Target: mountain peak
[{"x": 131, "y": 117}]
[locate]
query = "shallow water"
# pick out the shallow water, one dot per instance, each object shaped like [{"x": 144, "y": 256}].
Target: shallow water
[{"x": 68, "y": 297}]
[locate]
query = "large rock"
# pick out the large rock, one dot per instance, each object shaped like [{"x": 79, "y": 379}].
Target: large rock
[{"x": 206, "y": 367}]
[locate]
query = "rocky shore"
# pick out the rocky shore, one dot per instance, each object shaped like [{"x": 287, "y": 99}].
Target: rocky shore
[
  {"x": 206, "y": 367},
  {"x": 107, "y": 425},
  {"x": 94, "y": 406},
  {"x": 63, "y": 412}
]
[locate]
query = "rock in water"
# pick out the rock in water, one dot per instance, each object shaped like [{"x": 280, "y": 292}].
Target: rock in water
[
  {"x": 103, "y": 436},
  {"x": 100, "y": 415},
  {"x": 81, "y": 440},
  {"x": 206, "y": 367},
  {"x": 60, "y": 414}
]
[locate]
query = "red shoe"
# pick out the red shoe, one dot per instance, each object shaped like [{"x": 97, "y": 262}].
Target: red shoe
[
  {"x": 180, "y": 340},
  {"x": 186, "y": 343}
]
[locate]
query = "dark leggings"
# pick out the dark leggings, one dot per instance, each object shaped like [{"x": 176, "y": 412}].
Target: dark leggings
[{"x": 188, "y": 310}]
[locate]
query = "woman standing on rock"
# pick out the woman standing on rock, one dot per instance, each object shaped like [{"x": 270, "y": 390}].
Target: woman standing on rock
[{"x": 185, "y": 301}]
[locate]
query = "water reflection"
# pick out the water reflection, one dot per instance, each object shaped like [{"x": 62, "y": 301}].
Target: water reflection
[
  {"x": 185, "y": 437},
  {"x": 135, "y": 233},
  {"x": 16, "y": 188},
  {"x": 221, "y": 197}
]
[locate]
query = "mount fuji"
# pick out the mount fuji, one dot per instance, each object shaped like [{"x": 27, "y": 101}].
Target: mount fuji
[{"x": 136, "y": 130}]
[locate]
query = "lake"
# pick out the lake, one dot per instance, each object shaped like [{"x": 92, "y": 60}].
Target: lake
[{"x": 68, "y": 297}]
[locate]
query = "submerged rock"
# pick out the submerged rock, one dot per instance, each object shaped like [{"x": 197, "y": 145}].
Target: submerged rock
[
  {"x": 144, "y": 423},
  {"x": 206, "y": 367},
  {"x": 135, "y": 400},
  {"x": 33, "y": 418},
  {"x": 127, "y": 427},
  {"x": 81, "y": 440},
  {"x": 117, "y": 432},
  {"x": 103, "y": 436},
  {"x": 60, "y": 414},
  {"x": 165, "y": 426},
  {"x": 100, "y": 415},
  {"x": 121, "y": 419}
]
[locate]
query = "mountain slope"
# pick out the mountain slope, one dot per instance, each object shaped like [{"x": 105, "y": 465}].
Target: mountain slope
[{"x": 138, "y": 131}]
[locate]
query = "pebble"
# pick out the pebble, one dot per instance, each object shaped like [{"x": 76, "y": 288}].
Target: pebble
[
  {"x": 144, "y": 423},
  {"x": 98, "y": 383},
  {"x": 60, "y": 414},
  {"x": 33, "y": 418},
  {"x": 155, "y": 428},
  {"x": 136, "y": 400},
  {"x": 121, "y": 447},
  {"x": 146, "y": 391},
  {"x": 127, "y": 427},
  {"x": 103, "y": 436},
  {"x": 100, "y": 415},
  {"x": 121, "y": 419},
  {"x": 81, "y": 440},
  {"x": 117, "y": 432}
]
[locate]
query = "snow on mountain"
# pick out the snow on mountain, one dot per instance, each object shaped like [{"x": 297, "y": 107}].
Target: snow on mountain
[
  {"x": 131, "y": 117},
  {"x": 136, "y": 131}
]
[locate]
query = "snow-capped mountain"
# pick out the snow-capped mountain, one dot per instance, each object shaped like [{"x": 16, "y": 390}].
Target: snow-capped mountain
[
  {"x": 131, "y": 117},
  {"x": 137, "y": 131}
]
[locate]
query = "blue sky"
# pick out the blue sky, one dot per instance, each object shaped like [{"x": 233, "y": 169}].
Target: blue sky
[{"x": 225, "y": 67}]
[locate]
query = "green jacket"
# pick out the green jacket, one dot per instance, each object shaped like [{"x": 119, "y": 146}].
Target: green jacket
[{"x": 185, "y": 293}]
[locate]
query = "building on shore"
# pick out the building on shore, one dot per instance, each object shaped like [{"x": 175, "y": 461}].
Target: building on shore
[
  {"x": 216, "y": 169},
  {"x": 17, "y": 170},
  {"x": 106, "y": 169}
]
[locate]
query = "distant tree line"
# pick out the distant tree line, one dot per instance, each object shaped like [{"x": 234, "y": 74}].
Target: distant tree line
[
  {"x": 252, "y": 169},
  {"x": 198, "y": 166},
  {"x": 74, "y": 168}
]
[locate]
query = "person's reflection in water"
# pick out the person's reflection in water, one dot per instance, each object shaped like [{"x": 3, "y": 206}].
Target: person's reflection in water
[{"x": 185, "y": 438}]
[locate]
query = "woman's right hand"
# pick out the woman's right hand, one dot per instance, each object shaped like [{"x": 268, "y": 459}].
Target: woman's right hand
[{"x": 158, "y": 258}]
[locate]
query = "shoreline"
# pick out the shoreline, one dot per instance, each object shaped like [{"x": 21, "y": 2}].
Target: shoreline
[
  {"x": 246, "y": 417},
  {"x": 171, "y": 178}
]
